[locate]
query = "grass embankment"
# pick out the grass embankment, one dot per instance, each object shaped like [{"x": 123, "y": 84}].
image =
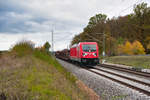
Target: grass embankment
[
  {"x": 135, "y": 61},
  {"x": 29, "y": 74}
]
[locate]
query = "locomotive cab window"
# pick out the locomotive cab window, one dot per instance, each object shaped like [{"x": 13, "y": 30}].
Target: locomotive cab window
[{"x": 89, "y": 48}]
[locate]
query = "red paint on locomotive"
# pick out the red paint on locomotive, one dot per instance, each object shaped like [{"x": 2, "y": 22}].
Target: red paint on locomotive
[{"x": 85, "y": 52}]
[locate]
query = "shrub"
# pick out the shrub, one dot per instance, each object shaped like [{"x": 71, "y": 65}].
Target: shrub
[
  {"x": 135, "y": 48},
  {"x": 23, "y": 48},
  {"x": 128, "y": 48},
  {"x": 148, "y": 46},
  {"x": 138, "y": 48},
  {"x": 46, "y": 46},
  {"x": 120, "y": 49}
]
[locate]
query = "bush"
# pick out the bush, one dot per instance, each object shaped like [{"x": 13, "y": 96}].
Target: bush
[
  {"x": 46, "y": 46},
  {"x": 138, "y": 48},
  {"x": 128, "y": 48},
  {"x": 23, "y": 48},
  {"x": 120, "y": 49}
]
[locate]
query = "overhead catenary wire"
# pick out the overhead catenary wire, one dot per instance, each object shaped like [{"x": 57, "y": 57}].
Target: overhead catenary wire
[
  {"x": 136, "y": 2},
  {"x": 63, "y": 37},
  {"x": 60, "y": 38}
]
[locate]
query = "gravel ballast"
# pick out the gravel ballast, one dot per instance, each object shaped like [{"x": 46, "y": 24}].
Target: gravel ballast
[{"x": 105, "y": 88}]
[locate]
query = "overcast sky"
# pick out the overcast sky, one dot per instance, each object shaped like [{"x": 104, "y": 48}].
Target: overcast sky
[{"x": 34, "y": 19}]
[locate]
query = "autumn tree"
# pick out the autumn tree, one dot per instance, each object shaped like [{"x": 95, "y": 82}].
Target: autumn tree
[
  {"x": 148, "y": 46},
  {"x": 120, "y": 49},
  {"x": 137, "y": 48},
  {"x": 128, "y": 48},
  {"x": 147, "y": 42}
]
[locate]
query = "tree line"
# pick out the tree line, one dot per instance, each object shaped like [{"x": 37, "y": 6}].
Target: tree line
[{"x": 133, "y": 28}]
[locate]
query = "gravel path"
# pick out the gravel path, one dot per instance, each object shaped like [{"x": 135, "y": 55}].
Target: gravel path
[{"x": 105, "y": 88}]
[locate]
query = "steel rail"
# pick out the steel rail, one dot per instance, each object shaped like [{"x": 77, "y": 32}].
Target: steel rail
[
  {"x": 125, "y": 77},
  {"x": 121, "y": 82},
  {"x": 125, "y": 70}
]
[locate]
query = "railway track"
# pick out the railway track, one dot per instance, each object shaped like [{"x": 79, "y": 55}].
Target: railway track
[
  {"x": 138, "y": 85},
  {"x": 143, "y": 87},
  {"x": 144, "y": 74},
  {"x": 125, "y": 77}
]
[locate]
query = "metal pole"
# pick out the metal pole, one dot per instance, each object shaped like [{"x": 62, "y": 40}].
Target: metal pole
[
  {"x": 103, "y": 44},
  {"x": 103, "y": 53},
  {"x": 52, "y": 42}
]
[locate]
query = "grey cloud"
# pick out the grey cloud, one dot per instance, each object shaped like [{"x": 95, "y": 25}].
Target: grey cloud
[{"x": 68, "y": 17}]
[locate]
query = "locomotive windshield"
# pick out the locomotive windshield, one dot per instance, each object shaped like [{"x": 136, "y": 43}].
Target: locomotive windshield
[{"x": 89, "y": 48}]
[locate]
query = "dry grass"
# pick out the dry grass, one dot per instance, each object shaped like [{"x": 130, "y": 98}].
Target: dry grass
[
  {"x": 23, "y": 48},
  {"x": 29, "y": 74},
  {"x": 34, "y": 79}
]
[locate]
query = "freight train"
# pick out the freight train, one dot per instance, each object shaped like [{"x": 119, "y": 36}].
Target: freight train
[{"x": 85, "y": 53}]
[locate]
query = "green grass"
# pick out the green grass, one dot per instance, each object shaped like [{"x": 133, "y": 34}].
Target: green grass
[
  {"x": 36, "y": 76},
  {"x": 135, "y": 61},
  {"x": 47, "y": 58},
  {"x": 38, "y": 81}
]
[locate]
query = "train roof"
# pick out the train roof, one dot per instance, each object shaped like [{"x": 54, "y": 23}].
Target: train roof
[
  {"x": 87, "y": 42},
  {"x": 75, "y": 45}
]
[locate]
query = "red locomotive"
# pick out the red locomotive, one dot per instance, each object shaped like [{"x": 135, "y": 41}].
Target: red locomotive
[{"x": 85, "y": 53}]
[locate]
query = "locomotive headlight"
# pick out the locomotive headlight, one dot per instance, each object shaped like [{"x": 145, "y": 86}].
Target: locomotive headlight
[
  {"x": 84, "y": 54},
  {"x": 94, "y": 54}
]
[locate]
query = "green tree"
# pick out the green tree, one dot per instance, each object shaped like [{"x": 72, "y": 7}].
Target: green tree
[
  {"x": 98, "y": 18},
  {"x": 46, "y": 46},
  {"x": 94, "y": 21},
  {"x": 142, "y": 22}
]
